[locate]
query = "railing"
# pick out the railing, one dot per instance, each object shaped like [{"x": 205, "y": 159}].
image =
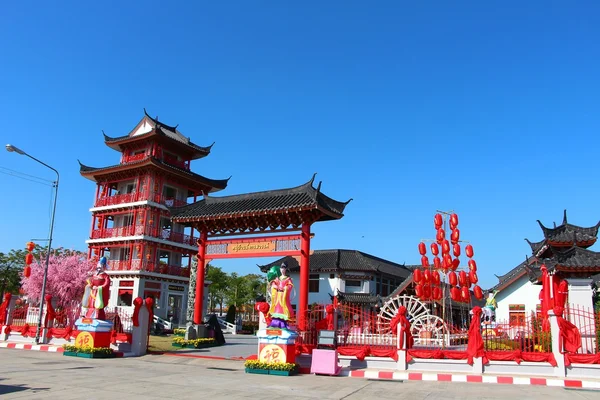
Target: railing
[
  {"x": 121, "y": 318},
  {"x": 135, "y": 157},
  {"x": 527, "y": 333},
  {"x": 19, "y": 316},
  {"x": 588, "y": 323},
  {"x": 142, "y": 196},
  {"x": 147, "y": 266},
  {"x": 175, "y": 162},
  {"x": 134, "y": 230}
]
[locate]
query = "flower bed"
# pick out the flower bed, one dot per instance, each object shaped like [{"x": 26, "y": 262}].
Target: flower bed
[
  {"x": 87, "y": 351},
  {"x": 194, "y": 343},
  {"x": 179, "y": 332},
  {"x": 260, "y": 367}
]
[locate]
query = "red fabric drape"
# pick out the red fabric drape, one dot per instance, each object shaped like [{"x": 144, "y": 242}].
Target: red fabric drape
[
  {"x": 4, "y": 308},
  {"x": 359, "y": 352},
  {"x": 568, "y": 332},
  {"x": 582, "y": 359},
  {"x": 383, "y": 352},
  {"x": 436, "y": 354},
  {"x": 515, "y": 356},
  {"x": 539, "y": 357},
  {"x": 62, "y": 333},
  {"x": 137, "y": 304},
  {"x": 149, "y": 307},
  {"x": 304, "y": 349},
  {"x": 475, "y": 346},
  {"x": 400, "y": 319},
  {"x": 50, "y": 313}
]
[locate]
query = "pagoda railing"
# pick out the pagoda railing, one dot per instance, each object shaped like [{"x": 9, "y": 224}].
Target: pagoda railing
[
  {"x": 175, "y": 162},
  {"x": 132, "y": 197},
  {"x": 134, "y": 158},
  {"x": 148, "y": 266},
  {"x": 137, "y": 230}
]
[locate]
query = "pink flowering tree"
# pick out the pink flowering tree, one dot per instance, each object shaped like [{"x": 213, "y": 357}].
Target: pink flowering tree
[{"x": 67, "y": 273}]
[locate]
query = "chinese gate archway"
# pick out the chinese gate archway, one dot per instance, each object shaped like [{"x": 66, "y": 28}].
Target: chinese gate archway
[{"x": 253, "y": 214}]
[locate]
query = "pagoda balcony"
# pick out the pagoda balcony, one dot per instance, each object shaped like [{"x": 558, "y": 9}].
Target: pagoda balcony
[
  {"x": 148, "y": 266},
  {"x": 133, "y": 197},
  {"x": 141, "y": 230},
  {"x": 134, "y": 158}
]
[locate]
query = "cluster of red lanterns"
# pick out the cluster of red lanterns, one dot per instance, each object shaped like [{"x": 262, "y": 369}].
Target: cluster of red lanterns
[
  {"x": 28, "y": 259},
  {"x": 428, "y": 280}
]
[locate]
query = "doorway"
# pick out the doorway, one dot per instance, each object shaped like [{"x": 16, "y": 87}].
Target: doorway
[{"x": 174, "y": 309}]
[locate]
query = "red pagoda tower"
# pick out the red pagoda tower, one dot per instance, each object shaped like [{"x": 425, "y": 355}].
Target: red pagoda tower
[{"x": 148, "y": 255}]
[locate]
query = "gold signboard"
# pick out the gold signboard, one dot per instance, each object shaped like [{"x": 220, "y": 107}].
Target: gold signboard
[{"x": 251, "y": 247}]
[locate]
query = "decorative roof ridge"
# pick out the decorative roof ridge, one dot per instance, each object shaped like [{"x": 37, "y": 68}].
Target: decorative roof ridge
[
  {"x": 264, "y": 193},
  {"x": 157, "y": 122}
]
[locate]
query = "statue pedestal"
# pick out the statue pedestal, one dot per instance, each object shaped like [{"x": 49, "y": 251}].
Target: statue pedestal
[
  {"x": 276, "y": 345},
  {"x": 93, "y": 332}
]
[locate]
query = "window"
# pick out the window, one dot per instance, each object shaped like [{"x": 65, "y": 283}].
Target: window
[
  {"x": 516, "y": 314},
  {"x": 353, "y": 283},
  {"x": 313, "y": 283},
  {"x": 331, "y": 276}
]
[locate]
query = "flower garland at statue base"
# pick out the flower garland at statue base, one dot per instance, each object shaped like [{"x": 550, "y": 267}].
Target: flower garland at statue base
[
  {"x": 87, "y": 351},
  {"x": 270, "y": 368}
]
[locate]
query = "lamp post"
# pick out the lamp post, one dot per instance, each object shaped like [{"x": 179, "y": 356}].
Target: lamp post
[{"x": 12, "y": 149}]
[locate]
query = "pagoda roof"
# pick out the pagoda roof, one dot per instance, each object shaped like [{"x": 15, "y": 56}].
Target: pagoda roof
[
  {"x": 344, "y": 261},
  {"x": 527, "y": 267},
  {"x": 567, "y": 235},
  {"x": 149, "y": 127},
  {"x": 92, "y": 173},
  {"x": 574, "y": 259},
  {"x": 360, "y": 298},
  {"x": 274, "y": 209}
]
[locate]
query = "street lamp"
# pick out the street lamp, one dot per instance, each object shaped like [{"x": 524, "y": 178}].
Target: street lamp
[{"x": 10, "y": 148}]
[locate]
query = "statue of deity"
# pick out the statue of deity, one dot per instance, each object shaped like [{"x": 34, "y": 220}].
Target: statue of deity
[
  {"x": 281, "y": 305},
  {"x": 97, "y": 292},
  {"x": 489, "y": 310}
]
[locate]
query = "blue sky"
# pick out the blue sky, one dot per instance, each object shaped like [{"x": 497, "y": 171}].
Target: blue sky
[{"x": 486, "y": 108}]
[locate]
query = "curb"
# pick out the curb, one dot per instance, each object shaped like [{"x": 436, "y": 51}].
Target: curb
[
  {"x": 463, "y": 378},
  {"x": 49, "y": 348}
]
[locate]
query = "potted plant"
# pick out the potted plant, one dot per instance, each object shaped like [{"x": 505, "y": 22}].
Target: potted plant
[
  {"x": 256, "y": 367},
  {"x": 69, "y": 350},
  {"x": 179, "y": 332},
  {"x": 87, "y": 351},
  {"x": 260, "y": 367}
]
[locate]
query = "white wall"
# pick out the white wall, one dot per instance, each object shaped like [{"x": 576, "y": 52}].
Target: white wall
[{"x": 521, "y": 291}]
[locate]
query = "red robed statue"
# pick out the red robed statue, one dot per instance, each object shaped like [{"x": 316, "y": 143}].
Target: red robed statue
[{"x": 97, "y": 292}]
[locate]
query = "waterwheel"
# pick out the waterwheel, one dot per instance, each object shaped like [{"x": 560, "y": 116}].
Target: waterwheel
[
  {"x": 429, "y": 330},
  {"x": 414, "y": 309}
]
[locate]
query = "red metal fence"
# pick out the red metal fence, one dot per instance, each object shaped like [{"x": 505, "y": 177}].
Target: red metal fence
[{"x": 588, "y": 323}]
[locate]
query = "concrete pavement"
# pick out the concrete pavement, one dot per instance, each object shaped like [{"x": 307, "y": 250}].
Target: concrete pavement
[{"x": 24, "y": 374}]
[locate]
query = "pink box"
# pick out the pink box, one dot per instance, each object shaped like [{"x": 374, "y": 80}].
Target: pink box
[{"x": 325, "y": 362}]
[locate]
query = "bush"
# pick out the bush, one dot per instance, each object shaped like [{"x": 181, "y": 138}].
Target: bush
[
  {"x": 87, "y": 349},
  {"x": 255, "y": 364},
  {"x": 179, "y": 331}
]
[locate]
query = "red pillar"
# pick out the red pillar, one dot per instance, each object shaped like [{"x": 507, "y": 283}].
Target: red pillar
[
  {"x": 198, "y": 305},
  {"x": 304, "y": 272}
]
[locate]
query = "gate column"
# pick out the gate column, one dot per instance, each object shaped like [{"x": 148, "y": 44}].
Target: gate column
[
  {"x": 198, "y": 305},
  {"x": 304, "y": 275}
]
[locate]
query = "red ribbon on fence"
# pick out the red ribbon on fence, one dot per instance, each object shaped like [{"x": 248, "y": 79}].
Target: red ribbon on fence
[
  {"x": 475, "y": 346},
  {"x": 568, "y": 332},
  {"x": 4, "y": 308},
  {"x": 582, "y": 359},
  {"x": 50, "y": 313},
  {"x": 137, "y": 304},
  {"x": 400, "y": 319}
]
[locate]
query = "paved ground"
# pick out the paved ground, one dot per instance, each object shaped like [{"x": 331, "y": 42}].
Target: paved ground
[
  {"x": 24, "y": 374},
  {"x": 235, "y": 346}
]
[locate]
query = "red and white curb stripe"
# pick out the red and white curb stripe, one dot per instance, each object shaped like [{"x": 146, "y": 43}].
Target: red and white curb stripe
[
  {"x": 27, "y": 346},
  {"x": 505, "y": 380}
]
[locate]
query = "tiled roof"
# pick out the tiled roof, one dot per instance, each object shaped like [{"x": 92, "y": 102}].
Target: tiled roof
[
  {"x": 344, "y": 260},
  {"x": 301, "y": 198},
  {"x": 527, "y": 267},
  {"x": 574, "y": 259},
  {"x": 163, "y": 130},
  {"x": 215, "y": 184},
  {"x": 570, "y": 234},
  {"x": 359, "y": 298}
]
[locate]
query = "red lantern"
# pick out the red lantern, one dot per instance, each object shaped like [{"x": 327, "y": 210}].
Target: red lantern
[
  {"x": 422, "y": 249},
  {"x": 437, "y": 221},
  {"x": 30, "y": 246},
  {"x": 417, "y": 276},
  {"x": 435, "y": 277},
  {"x": 455, "y": 294},
  {"x": 472, "y": 265},
  {"x": 453, "y": 221},
  {"x": 441, "y": 235},
  {"x": 455, "y": 236},
  {"x": 437, "y": 293},
  {"x": 427, "y": 292},
  {"x": 456, "y": 250},
  {"x": 28, "y": 259},
  {"x": 437, "y": 263},
  {"x": 445, "y": 247},
  {"x": 27, "y": 271},
  {"x": 462, "y": 278},
  {"x": 477, "y": 292},
  {"x": 435, "y": 250},
  {"x": 452, "y": 278},
  {"x": 464, "y": 294},
  {"x": 425, "y": 261},
  {"x": 455, "y": 264},
  {"x": 419, "y": 291},
  {"x": 426, "y": 276},
  {"x": 469, "y": 251},
  {"x": 473, "y": 277}
]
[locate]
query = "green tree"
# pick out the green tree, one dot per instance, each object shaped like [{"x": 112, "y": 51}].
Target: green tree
[
  {"x": 218, "y": 286},
  {"x": 11, "y": 267}
]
